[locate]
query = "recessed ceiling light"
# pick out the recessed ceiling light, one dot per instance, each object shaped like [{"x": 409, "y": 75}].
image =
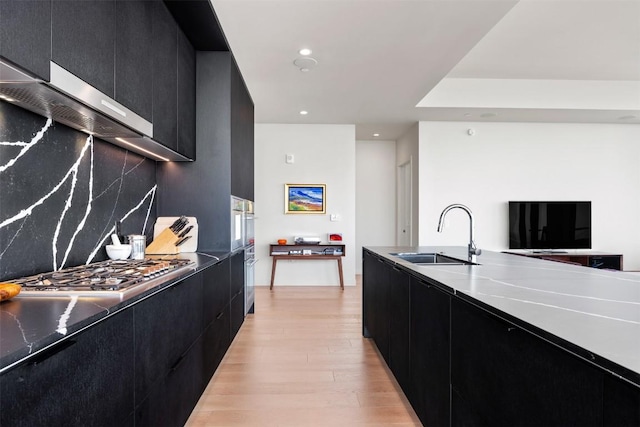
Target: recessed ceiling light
[
  {"x": 376, "y": 134},
  {"x": 304, "y": 52},
  {"x": 304, "y": 112},
  {"x": 628, "y": 117}
]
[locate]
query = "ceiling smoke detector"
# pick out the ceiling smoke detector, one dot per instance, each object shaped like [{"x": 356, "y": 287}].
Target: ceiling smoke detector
[{"x": 305, "y": 64}]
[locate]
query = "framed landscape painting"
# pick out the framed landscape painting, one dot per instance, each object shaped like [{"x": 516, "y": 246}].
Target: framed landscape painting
[{"x": 305, "y": 198}]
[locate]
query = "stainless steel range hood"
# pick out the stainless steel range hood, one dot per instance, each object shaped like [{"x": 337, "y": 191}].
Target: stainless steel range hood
[{"x": 68, "y": 100}]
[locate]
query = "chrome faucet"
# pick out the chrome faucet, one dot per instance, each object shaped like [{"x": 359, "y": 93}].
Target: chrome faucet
[{"x": 473, "y": 251}]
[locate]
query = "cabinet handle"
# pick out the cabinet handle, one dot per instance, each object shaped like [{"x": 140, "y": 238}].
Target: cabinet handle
[
  {"x": 511, "y": 329},
  {"x": 178, "y": 362},
  {"x": 52, "y": 351},
  {"x": 397, "y": 269},
  {"x": 220, "y": 315}
]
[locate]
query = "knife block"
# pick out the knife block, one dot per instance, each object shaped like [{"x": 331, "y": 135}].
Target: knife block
[
  {"x": 164, "y": 243},
  {"x": 164, "y": 222}
]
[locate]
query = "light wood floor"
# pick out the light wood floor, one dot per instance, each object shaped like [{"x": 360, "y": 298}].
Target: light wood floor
[{"x": 301, "y": 360}]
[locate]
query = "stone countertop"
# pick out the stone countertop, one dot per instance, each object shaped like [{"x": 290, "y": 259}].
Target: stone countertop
[
  {"x": 31, "y": 324},
  {"x": 592, "y": 313}
]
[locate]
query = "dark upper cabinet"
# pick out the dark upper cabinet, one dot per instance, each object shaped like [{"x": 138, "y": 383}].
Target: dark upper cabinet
[
  {"x": 430, "y": 328},
  {"x": 181, "y": 188},
  {"x": 25, "y": 34},
  {"x": 165, "y": 76},
  {"x": 242, "y": 136},
  {"x": 83, "y": 40},
  {"x": 86, "y": 380},
  {"x": 174, "y": 84},
  {"x": 133, "y": 60},
  {"x": 186, "y": 144},
  {"x": 506, "y": 376}
]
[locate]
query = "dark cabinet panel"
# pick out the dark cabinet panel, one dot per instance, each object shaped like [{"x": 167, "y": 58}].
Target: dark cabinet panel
[
  {"x": 170, "y": 402},
  {"x": 509, "y": 377},
  {"x": 215, "y": 291},
  {"x": 237, "y": 292},
  {"x": 217, "y": 338},
  {"x": 381, "y": 309},
  {"x": 166, "y": 325},
  {"x": 133, "y": 63},
  {"x": 400, "y": 326},
  {"x": 242, "y": 128},
  {"x": 25, "y": 31},
  {"x": 369, "y": 262},
  {"x": 430, "y": 327},
  {"x": 186, "y": 97},
  {"x": 621, "y": 403},
  {"x": 165, "y": 76},
  {"x": 86, "y": 380},
  {"x": 83, "y": 40}
]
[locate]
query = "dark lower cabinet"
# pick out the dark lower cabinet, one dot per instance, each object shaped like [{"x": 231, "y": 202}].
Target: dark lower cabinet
[
  {"x": 216, "y": 341},
  {"x": 430, "y": 350},
  {"x": 508, "y": 377},
  {"x": 166, "y": 325},
  {"x": 86, "y": 380},
  {"x": 145, "y": 366},
  {"x": 368, "y": 301},
  {"x": 171, "y": 401},
  {"x": 381, "y": 308},
  {"x": 463, "y": 366},
  {"x": 621, "y": 403},
  {"x": 215, "y": 291},
  {"x": 399, "y": 315}
]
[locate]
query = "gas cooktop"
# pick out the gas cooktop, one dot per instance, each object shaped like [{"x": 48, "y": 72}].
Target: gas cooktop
[{"x": 106, "y": 278}]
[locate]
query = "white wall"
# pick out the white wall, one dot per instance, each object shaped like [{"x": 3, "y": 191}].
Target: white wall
[
  {"x": 407, "y": 149},
  {"x": 530, "y": 161},
  {"x": 324, "y": 154},
  {"x": 375, "y": 195}
]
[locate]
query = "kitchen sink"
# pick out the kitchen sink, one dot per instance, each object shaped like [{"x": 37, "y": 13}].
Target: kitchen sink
[{"x": 422, "y": 258}]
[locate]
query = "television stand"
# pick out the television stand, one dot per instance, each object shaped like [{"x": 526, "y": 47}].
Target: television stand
[{"x": 592, "y": 259}]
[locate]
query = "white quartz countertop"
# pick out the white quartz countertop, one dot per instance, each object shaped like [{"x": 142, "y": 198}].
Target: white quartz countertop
[{"x": 596, "y": 312}]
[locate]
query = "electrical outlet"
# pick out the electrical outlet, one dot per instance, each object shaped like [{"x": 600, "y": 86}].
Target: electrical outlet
[{"x": 335, "y": 217}]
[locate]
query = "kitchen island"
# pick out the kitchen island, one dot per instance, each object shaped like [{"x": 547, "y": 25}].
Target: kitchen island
[
  {"x": 125, "y": 353},
  {"x": 511, "y": 341}
]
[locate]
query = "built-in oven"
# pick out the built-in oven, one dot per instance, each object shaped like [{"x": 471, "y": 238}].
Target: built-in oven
[
  {"x": 249, "y": 257},
  {"x": 243, "y": 237},
  {"x": 237, "y": 223}
]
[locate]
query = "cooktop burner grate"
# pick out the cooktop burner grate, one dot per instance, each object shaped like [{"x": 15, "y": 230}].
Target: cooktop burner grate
[{"x": 110, "y": 277}]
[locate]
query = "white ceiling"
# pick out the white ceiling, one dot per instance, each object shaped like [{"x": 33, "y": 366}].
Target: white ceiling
[{"x": 559, "y": 60}]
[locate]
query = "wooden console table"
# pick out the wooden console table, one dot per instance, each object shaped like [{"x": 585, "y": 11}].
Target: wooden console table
[{"x": 305, "y": 252}]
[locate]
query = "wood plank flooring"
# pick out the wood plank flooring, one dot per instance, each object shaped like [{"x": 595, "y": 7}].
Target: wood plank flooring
[{"x": 301, "y": 360}]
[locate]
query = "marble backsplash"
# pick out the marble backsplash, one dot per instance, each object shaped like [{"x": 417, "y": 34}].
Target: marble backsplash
[{"x": 61, "y": 192}]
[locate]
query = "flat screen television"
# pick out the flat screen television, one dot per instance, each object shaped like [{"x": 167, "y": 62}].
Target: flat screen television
[{"x": 549, "y": 225}]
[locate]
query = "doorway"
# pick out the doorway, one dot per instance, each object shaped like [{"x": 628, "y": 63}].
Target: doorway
[{"x": 404, "y": 221}]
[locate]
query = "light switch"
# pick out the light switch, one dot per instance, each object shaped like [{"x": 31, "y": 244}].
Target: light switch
[
  {"x": 289, "y": 158},
  {"x": 334, "y": 217}
]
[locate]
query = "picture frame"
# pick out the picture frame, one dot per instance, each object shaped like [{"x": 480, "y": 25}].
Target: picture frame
[{"x": 305, "y": 198}]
